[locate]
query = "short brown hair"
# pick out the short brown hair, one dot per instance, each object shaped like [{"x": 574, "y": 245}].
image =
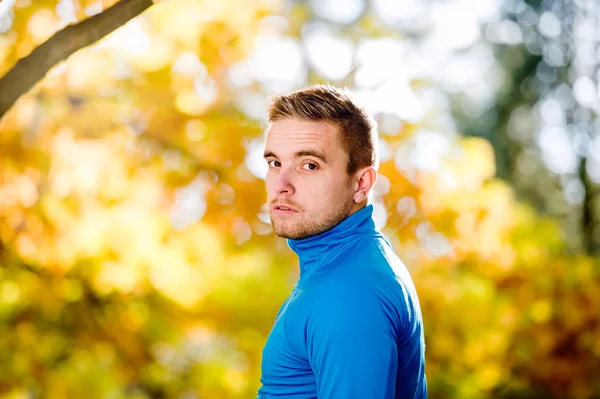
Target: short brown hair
[{"x": 324, "y": 103}]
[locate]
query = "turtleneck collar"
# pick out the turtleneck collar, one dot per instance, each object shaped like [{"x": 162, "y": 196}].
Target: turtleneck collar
[{"x": 311, "y": 249}]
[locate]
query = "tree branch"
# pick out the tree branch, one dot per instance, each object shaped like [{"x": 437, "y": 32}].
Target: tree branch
[
  {"x": 591, "y": 243},
  {"x": 31, "y": 69}
]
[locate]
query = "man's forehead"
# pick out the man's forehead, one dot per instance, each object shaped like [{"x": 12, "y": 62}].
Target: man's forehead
[{"x": 293, "y": 131}]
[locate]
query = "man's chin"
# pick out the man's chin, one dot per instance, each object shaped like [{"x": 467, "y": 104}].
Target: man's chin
[
  {"x": 285, "y": 231},
  {"x": 289, "y": 232}
]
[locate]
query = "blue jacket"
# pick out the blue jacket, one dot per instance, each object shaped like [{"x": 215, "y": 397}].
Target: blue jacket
[{"x": 352, "y": 326}]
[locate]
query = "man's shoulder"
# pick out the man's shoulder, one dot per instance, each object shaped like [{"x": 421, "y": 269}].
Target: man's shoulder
[
  {"x": 375, "y": 256},
  {"x": 368, "y": 271},
  {"x": 332, "y": 286},
  {"x": 368, "y": 267},
  {"x": 346, "y": 293},
  {"x": 372, "y": 249},
  {"x": 334, "y": 301}
]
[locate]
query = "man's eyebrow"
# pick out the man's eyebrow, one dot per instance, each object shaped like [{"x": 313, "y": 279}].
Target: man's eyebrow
[
  {"x": 304, "y": 153},
  {"x": 312, "y": 153}
]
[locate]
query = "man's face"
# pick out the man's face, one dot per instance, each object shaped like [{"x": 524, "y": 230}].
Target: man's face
[{"x": 308, "y": 187}]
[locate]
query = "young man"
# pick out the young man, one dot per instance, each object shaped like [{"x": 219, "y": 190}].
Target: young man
[{"x": 352, "y": 326}]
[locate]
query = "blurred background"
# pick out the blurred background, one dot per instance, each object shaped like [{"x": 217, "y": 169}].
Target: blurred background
[{"x": 136, "y": 255}]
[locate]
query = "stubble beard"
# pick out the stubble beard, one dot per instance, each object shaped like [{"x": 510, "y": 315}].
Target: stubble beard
[{"x": 313, "y": 226}]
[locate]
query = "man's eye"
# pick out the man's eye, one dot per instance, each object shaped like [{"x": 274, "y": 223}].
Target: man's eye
[
  {"x": 310, "y": 166},
  {"x": 273, "y": 163}
]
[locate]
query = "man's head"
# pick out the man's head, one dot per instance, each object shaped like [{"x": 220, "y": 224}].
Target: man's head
[{"x": 321, "y": 151}]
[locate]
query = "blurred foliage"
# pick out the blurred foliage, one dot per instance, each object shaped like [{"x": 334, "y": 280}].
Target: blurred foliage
[
  {"x": 544, "y": 121},
  {"x": 136, "y": 259}
]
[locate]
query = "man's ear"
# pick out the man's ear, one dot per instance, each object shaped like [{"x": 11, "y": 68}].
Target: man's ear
[{"x": 365, "y": 179}]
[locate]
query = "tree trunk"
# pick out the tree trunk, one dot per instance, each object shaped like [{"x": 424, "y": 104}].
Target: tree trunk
[{"x": 31, "y": 69}]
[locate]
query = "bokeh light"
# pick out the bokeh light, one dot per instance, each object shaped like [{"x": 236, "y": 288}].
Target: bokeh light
[{"x": 137, "y": 257}]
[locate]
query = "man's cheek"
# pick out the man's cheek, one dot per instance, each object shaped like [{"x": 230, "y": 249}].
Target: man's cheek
[{"x": 269, "y": 187}]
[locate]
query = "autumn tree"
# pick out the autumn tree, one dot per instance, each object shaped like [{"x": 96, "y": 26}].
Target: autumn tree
[{"x": 136, "y": 254}]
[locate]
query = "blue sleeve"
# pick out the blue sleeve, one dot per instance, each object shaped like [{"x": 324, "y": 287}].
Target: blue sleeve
[{"x": 351, "y": 346}]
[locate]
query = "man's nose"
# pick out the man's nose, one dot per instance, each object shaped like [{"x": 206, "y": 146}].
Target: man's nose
[{"x": 283, "y": 184}]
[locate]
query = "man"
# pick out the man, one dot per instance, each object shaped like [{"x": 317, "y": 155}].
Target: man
[{"x": 352, "y": 326}]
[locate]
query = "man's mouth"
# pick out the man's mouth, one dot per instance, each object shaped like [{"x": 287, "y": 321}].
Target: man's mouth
[{"x": 284, "y": 208}]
